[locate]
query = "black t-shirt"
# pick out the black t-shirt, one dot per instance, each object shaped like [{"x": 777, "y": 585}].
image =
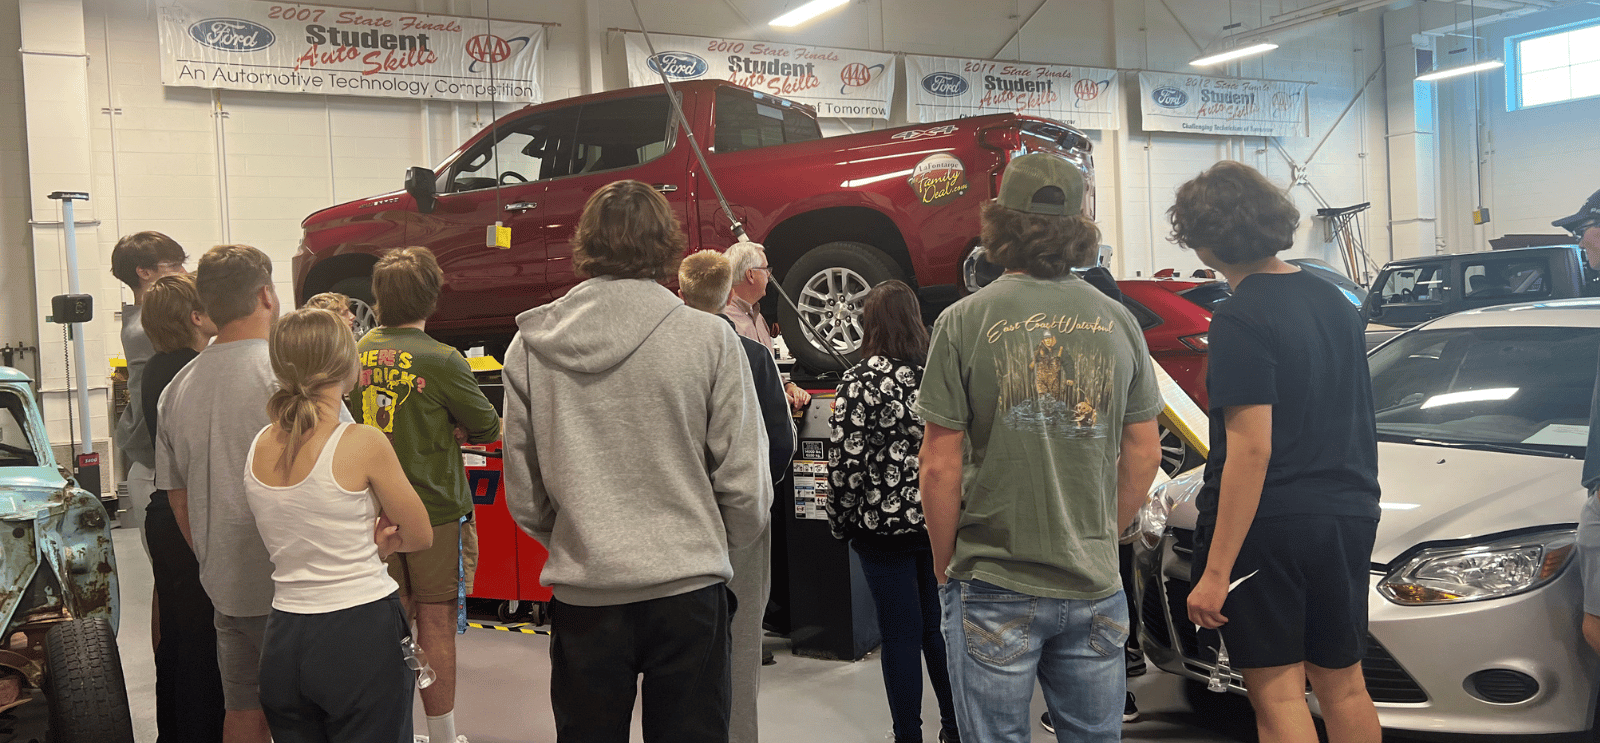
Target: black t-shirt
[
  {"x": 1294, "y": 342},
  {"x": 158, "y": 373}
]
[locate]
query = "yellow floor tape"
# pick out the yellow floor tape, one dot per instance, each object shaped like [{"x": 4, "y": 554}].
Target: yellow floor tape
[{"x": 523, "y": 627}]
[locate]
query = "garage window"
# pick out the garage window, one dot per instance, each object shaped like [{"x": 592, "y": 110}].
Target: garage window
[{"x": 1553, "y": 66}]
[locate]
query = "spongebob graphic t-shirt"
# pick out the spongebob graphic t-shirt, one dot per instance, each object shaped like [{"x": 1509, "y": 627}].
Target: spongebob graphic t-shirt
[
  {"x": 1041, "y": 374},
  {"x": 417, "y": 390}
]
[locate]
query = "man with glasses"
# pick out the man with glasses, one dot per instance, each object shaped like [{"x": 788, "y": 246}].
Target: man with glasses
[
  {"x": 751, "y": 274},
  {"x": 1585, "y": 226},
  {"x": 138, "y": 260}
]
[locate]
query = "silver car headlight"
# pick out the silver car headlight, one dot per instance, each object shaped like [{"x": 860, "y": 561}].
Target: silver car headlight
[
  {"x": 1492, "y": 570},
  {"x": 1151, "y": 521}
]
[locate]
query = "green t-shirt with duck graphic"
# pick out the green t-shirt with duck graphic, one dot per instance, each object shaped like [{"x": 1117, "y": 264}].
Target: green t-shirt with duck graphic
[
  {"x": 1041, "y": 375},
  {"x": 417, "y": 390}
]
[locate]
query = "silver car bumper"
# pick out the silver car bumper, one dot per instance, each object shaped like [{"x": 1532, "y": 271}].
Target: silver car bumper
[{"x": 1421, "y": 660}]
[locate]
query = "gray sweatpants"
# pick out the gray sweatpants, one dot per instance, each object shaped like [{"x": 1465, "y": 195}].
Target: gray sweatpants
[{"x": 751, "y": 584}]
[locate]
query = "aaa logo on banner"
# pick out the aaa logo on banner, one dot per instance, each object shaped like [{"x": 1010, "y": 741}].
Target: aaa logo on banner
[
  {"x": 847, "y": 83},
  {"x": 1212, "y": 105},
  {"x": 941, "y": 88},
  {"x": 253, "y": 45}
]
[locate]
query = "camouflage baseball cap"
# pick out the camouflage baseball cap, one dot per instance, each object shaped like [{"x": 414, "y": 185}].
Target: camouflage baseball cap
[{"x": 1041, "y": 183}]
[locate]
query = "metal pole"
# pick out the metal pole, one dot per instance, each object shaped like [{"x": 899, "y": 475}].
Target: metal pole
[{"x": 77, "y": 328}]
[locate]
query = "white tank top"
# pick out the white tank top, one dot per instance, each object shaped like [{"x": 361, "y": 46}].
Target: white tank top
[{"x": 319, "y": 537}]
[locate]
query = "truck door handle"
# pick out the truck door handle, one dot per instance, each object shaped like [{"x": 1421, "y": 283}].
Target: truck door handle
[
  {"x": 664, "y": 187},
  {"x": 520, "y": 206}
]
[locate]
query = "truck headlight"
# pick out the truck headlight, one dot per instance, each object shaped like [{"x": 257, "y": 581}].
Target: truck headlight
[
  {"x": 1151, "y": 521},
  {"x": 1491, "y": 570}
]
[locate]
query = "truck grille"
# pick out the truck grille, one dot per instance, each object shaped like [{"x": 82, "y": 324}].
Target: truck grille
[{"x": 1386, "y": 680}]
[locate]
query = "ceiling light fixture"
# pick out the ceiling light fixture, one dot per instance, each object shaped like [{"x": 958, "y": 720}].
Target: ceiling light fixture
[
  {"x": 1260, "y": 47},
  {"x": 805, "y": 13},
  {"x": 1466, "y": 69}
]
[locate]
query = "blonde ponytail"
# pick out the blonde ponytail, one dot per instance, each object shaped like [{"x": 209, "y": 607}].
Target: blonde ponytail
[{"x": 311, "y": 349}]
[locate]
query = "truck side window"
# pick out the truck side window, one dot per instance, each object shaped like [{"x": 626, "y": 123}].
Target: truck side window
[
  {"x": 15, "y": 448},
  {"x": 746, "y": 123},
  {"x": 622, "y": 133},
  {"x": 531, "y": 148},
  {"x": 1528, "y": 278},
  {"x": 1413, "y": 285}
]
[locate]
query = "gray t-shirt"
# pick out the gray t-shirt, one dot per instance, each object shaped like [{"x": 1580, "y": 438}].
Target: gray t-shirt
[
  {"x": 209, "y": 414},
  {"x": 131, "y": 434},
  {"x": 1041, "y": 375}
]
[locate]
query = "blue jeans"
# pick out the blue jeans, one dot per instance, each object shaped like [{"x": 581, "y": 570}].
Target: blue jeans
[
  {"x": 1073, "y": 647},
  {"x": 906, "y": 596}
]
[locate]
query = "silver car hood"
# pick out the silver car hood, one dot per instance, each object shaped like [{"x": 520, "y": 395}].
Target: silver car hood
[{"x": 1435, "y": 493}]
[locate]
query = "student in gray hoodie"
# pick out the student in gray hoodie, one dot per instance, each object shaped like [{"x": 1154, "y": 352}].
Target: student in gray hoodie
[{"x": 635, "y": 452}]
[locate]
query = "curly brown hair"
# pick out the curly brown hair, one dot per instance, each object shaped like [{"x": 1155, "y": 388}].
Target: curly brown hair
[
  {"x": 1045, "y": 246},
  {"x": 628, "y": 231},
  {"x": 1234, "y": 212}
]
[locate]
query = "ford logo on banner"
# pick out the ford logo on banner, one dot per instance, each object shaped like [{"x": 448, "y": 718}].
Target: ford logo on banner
[
  {"x": 678, "y": 65},
  {"x": 1169, "y": 97},
  {"x": 232, "y": 34},
  {"x": 945, "y": 84}
]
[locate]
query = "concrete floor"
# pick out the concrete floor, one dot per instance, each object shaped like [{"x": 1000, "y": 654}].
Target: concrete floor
[{"x": 504, "y": 677}]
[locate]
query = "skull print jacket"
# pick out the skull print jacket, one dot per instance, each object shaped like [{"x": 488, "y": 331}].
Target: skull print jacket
[{"x": 873, "y": 498}]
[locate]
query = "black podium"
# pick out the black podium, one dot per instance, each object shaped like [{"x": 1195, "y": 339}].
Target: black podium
[{"x": 831, "y": 614}]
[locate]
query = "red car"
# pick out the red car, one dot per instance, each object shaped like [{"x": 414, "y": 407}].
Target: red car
[{"x": 1175, "y": 315}]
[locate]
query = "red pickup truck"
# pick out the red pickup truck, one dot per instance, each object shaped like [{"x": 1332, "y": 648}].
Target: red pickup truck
[{"x": 837, "y": 215}]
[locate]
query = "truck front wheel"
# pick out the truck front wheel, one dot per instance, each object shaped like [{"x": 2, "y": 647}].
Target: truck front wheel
[
  {"x": 829, "y": 286},
  {"x": 359, "y": 290},
  {"x": 84, "y": 686}
]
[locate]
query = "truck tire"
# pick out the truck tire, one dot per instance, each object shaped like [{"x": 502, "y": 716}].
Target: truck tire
[
  {"x": 359, "y": 290},
  {"x": 83, "y": 683},
  {"x": 829, "y": 284}
]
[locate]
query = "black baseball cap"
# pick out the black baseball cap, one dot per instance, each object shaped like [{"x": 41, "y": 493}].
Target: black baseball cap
[{"x": 1590, "y": 211}]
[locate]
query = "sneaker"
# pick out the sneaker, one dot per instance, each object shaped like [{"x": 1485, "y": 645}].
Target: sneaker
[
  {"x": 1135, "y": 661},
  {"x": 1130, "y": 711},
  {"x": 949, "y": 736},
  {"x": 1044, "y": 720}
]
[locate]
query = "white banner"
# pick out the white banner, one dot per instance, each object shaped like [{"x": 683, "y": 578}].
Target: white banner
[
  {"x": 837, "y": 82},
  {"x": 1173, "y": 102},
  {"x": 253, "y": 45},
  {"x": 941, "y": 88}
]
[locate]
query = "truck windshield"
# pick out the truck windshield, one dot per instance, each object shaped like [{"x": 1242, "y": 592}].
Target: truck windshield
[
  {"x": 745, "y": 122},
  {"x": 1497, "y": 387},
  {"x": 16, "y": 449}
]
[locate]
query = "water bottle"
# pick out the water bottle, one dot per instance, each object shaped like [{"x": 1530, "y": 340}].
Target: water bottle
[
  {"x": 417, "y": 661},
  {"x": 1219, "y": 673}
]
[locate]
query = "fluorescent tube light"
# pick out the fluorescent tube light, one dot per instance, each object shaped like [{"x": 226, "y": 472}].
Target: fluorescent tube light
[
  {"x": 805, "y": 13},
  {"x": 1260, "y": 47},
  {"x": 1466, "y": 69}
]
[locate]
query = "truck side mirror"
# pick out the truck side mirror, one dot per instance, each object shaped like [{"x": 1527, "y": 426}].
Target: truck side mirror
[{"x": 420, "y": 184}]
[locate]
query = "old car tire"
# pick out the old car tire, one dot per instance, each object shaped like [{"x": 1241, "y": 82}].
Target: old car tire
[
  {"x": 83, "y": 682},
  {"x": 828, "y": 284},
  {"x": 362, "y": 303}
]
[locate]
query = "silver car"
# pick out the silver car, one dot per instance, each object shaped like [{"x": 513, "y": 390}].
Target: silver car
[{"x": 1476, "y": 600}]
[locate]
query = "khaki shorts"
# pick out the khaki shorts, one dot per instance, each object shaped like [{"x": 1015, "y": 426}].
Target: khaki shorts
[
  {"x": 431, "y": 576},
  {"x": 469, "y": 551}
]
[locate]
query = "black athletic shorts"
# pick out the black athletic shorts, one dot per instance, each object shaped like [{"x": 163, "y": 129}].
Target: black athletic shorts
[{"x": 1306, "y": 595}]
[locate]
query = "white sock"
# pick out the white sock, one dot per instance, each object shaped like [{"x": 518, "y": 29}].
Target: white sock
[{"x": 442, "y": 729}]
